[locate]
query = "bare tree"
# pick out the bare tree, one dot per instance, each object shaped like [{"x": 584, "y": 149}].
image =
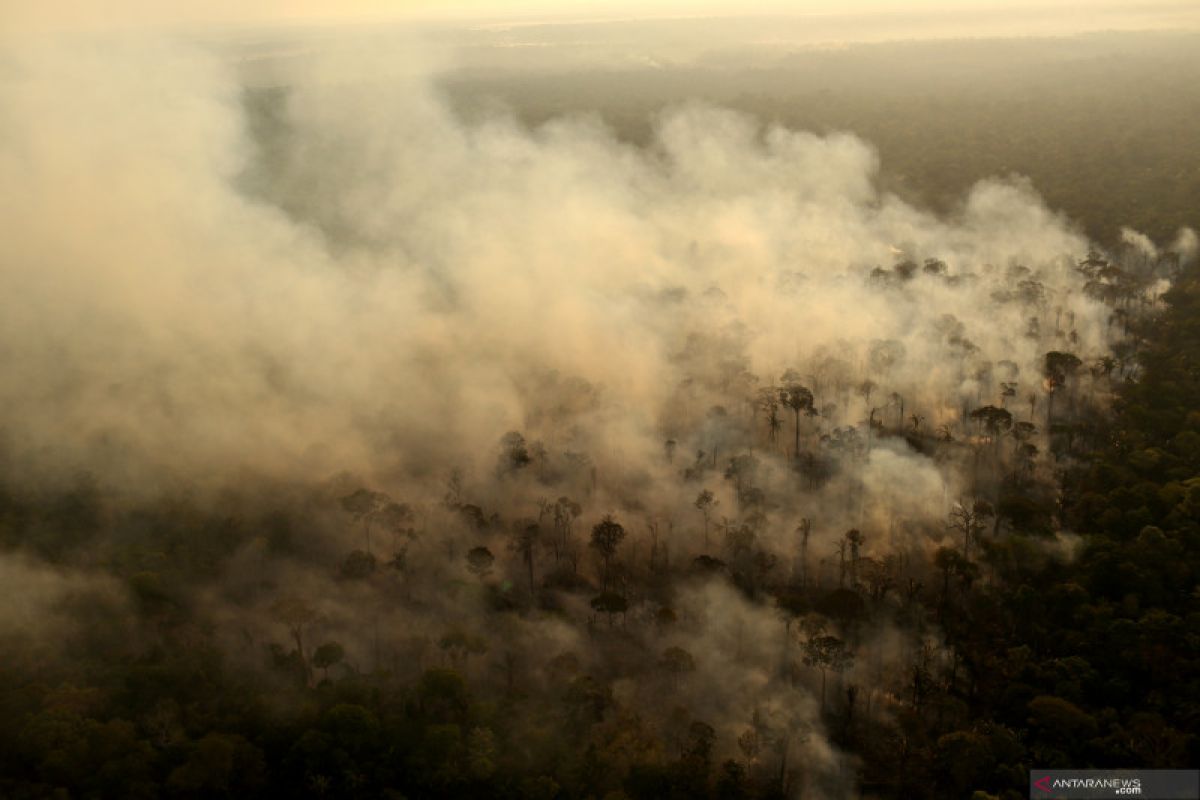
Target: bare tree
[
  {"x": 297, "y": 615},
  {"x": 854, "y": 542},
  {"x": 827, "y": 653},
  {"x": 525, "y": 536},
  {"x": 706, "y": 503},
  {"x": 804, "y": 530},
  {"x": 967, "y": 519},
  {"x": 566, "y": 511}
]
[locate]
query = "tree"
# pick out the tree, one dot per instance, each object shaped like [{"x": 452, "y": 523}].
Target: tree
[
  {"x": 296, "y": 614},
  {"x": 1103, "y": 367},
  {"x": 967, "y": 519},
  {"x": 358, "y": 565},
  {"x": 606, "y": 537},
  {"x": 742, "y": 470},
  {"x": 1057, "y": 368},
  {"x": 739, "y": 539},
  {"x": 525, "y": 535},
  {"x": 731, "y": 784},
  {"x": 964, "y": 759},
  {"x": 884, "y": 355},
  {"x": 804, "y": 530},
  {"x": 768, "y": 402},
  {"x": 950, "y": 562},
  {"x": 365, "y": 505},
  {"x": 677, "y": 661},
  {"x": 609, "y": 603},
  {"x": 514, "y": 454},
  {"x": 854, "y": 543},
  {"x": 840, "y": 549},
  {"x": 218, "y": 765},
  {"x": 865, "y": 390},
  {"x": 566, "y": 511},
  {"x": 701, "y": 737},
  {"x": 797, "y": 398},
  {"x": 480, "y": 561},
  {"x": 878, "y": 576},
  {"x": 896, "y": 399},
  {"x": 442, "y": 696},
  {"x": 542, "y": 787},
  {"x": 707, "y": 504},
  {"x": 1057, "y": 720},
  {"x": 459, "y": 645},
  {"x": 995, "y": 420},
  {"x": 826, "y": 653},
  {"x": 481, "y": 753},
  {"x": 327, "y": 655},
  {"x": 396, "y": 518},
  {"x": 750, "y": 743},
  {"x": 1007, "y": 389}
]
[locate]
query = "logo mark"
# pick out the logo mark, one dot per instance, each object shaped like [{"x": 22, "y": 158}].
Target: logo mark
[{"x": 1043, "y": 784}]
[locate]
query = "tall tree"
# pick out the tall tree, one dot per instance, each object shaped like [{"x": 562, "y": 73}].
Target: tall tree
[
  {"x": 968, "y": 519},
  {"x": 804, "y": 530},
  {"x": 826, "y": 653},
  {"x": 525, "y": 536},
  {"x": 799, "y": 399},
  {"x": 706, "y": 503},
  {"x": 606, "y": 538},
  {"x": 365, "y": 505},
  {"x": 854, "y": 543},
  {"x": 1057, "y": 368}
]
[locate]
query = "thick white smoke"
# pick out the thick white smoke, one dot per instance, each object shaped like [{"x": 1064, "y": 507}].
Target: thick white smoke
[{"x": 398, "y": 289}]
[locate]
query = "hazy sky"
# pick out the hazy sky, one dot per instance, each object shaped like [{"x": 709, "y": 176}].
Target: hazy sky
[{"x": 23, "y": 15}]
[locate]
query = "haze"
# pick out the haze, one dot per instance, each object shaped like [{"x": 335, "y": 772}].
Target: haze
[
  {"x": 888, "y": 19},
  {"x": 495, "y": 401}
]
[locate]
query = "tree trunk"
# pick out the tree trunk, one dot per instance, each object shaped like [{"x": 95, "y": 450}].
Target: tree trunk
[
  {"x": 797, "y": 453},
  {"x": 783, "y": 766},
  {"x": 298, "y": 636}
]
